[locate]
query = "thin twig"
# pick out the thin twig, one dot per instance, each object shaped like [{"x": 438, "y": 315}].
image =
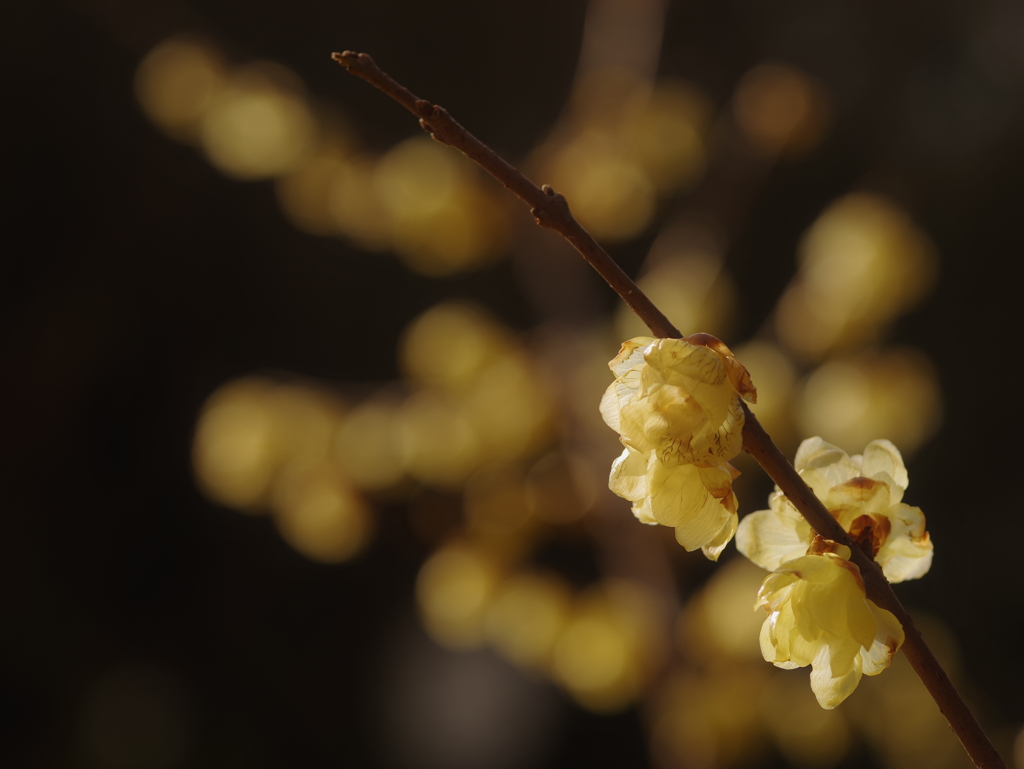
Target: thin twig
[
  {"x": 551, "y": 210},
  {"x": 548, "y": 207}
]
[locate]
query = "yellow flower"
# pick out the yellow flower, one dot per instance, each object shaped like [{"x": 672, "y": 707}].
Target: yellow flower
[
  {"x": 679, "y": 398},
  {"x": 863, "y": 493},
  {"x": 676, "y": 406},
  {"x": 818, "y": 615}
]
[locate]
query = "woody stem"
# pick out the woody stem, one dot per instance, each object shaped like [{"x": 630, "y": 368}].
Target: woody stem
[{"x": 551, "y": 210}]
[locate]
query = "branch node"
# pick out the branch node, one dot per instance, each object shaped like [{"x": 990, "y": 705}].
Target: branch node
[{"x": 553, "y": 212}]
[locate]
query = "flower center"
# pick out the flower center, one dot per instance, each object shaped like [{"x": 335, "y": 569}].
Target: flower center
[{"x": 870, "y": 532}]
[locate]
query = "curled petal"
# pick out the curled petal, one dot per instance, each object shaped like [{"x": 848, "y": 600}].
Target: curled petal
[
  {"x": 816, "y": 453},
  {"x": 907, "y": 552},
  {"x": 823, "y": 466},
  {"x": 619, "y": 392},
  {"x": 882, "y": 458},
  {"x": 773, "y": 648},
  {"x": 736, "y": 371},
  {"x": 629, "y": 479},
  {"x": 631, "y": 355},
  {"x": 714, "y": 548},
  {"x": 888, "y": 639}
]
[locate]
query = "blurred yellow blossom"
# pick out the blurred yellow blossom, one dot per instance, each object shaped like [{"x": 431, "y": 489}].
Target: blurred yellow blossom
[
  {"x": 608, "y": 647},
  {"x": 818, "y": 615},
  {"x": 863, "y": 493},
  {"x": 676, "y": 406}
]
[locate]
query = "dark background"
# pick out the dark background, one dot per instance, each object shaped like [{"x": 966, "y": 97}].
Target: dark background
[{"x": 136, "y": 279}]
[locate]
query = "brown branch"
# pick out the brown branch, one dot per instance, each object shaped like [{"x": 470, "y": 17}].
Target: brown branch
[
  {"x": 548, "y": 207},
  {"x": 552, "y": 211}
]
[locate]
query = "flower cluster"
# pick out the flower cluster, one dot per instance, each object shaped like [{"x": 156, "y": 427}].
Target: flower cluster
[
  {"x": 676, "y": 406},
  {"x": 818, "y": 615},
  {"x": 863, "y": 493}
]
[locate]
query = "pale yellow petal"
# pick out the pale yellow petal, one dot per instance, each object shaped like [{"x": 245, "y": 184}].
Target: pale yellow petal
[
  {"x": 888, "y": 639},
  {"x": 717, "y": 479},
  {"x": 698, "y": 371},
  {"x": 895, "y": 490},
  {"x": 714, "y": 548},
  {"x": 644, "y": 427},
  {"x": 740, "y": 378},
  {"x": 642, "y": 510},
  {"x": 679, "y": 499},
  {"x": 829, "y": 688},
  {"x": 833, "y": 600},
  {"x": 628, "y": 477},
  {"x": 816, "y": 452},
  {"x": 631, "y": 354},
  {"x": 834, "y": 463},
  {"x": 679, "y": 359},
  {"x": 624, "y": 390},
  {"x": 881, "y": 456},
  {"x": 817, "y": 480},
  {"x": 610, "y": 407},
  {"x": 907, "y": 552},
  {"x": 769, "y": 646},
  {"x": 769, "y": 538}
]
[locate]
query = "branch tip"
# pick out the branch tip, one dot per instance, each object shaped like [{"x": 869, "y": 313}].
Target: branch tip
[{"x": 345, "y": 58}]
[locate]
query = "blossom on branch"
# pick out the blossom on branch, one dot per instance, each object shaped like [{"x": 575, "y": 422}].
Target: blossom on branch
[
  {"x": 676, "y": 406},
  {"x": 863, "y": 493},
  {"x": 818, "y": 615}
]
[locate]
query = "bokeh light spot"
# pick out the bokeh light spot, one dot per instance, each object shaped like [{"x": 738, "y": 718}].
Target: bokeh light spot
[
  {"x": 525, "y": 616},
  {"x": 367, "y": 445},
  {"x": 450, "y": 344},
  {"x": 259, "y": 125},
  {"x": 452, "y": 591},
  {"x": 780, "y": 108},
  {"x": 437, "y": 444},
  {"x": 318, "y": 513},
  {"x": 177, "y": 82},
  {"x": 851, "y": 401}
]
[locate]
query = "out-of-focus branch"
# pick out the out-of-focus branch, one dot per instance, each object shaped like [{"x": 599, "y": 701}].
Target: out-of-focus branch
[
  {"x": 552, "y": 211},
  {"x": 630, "y": 28}
]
